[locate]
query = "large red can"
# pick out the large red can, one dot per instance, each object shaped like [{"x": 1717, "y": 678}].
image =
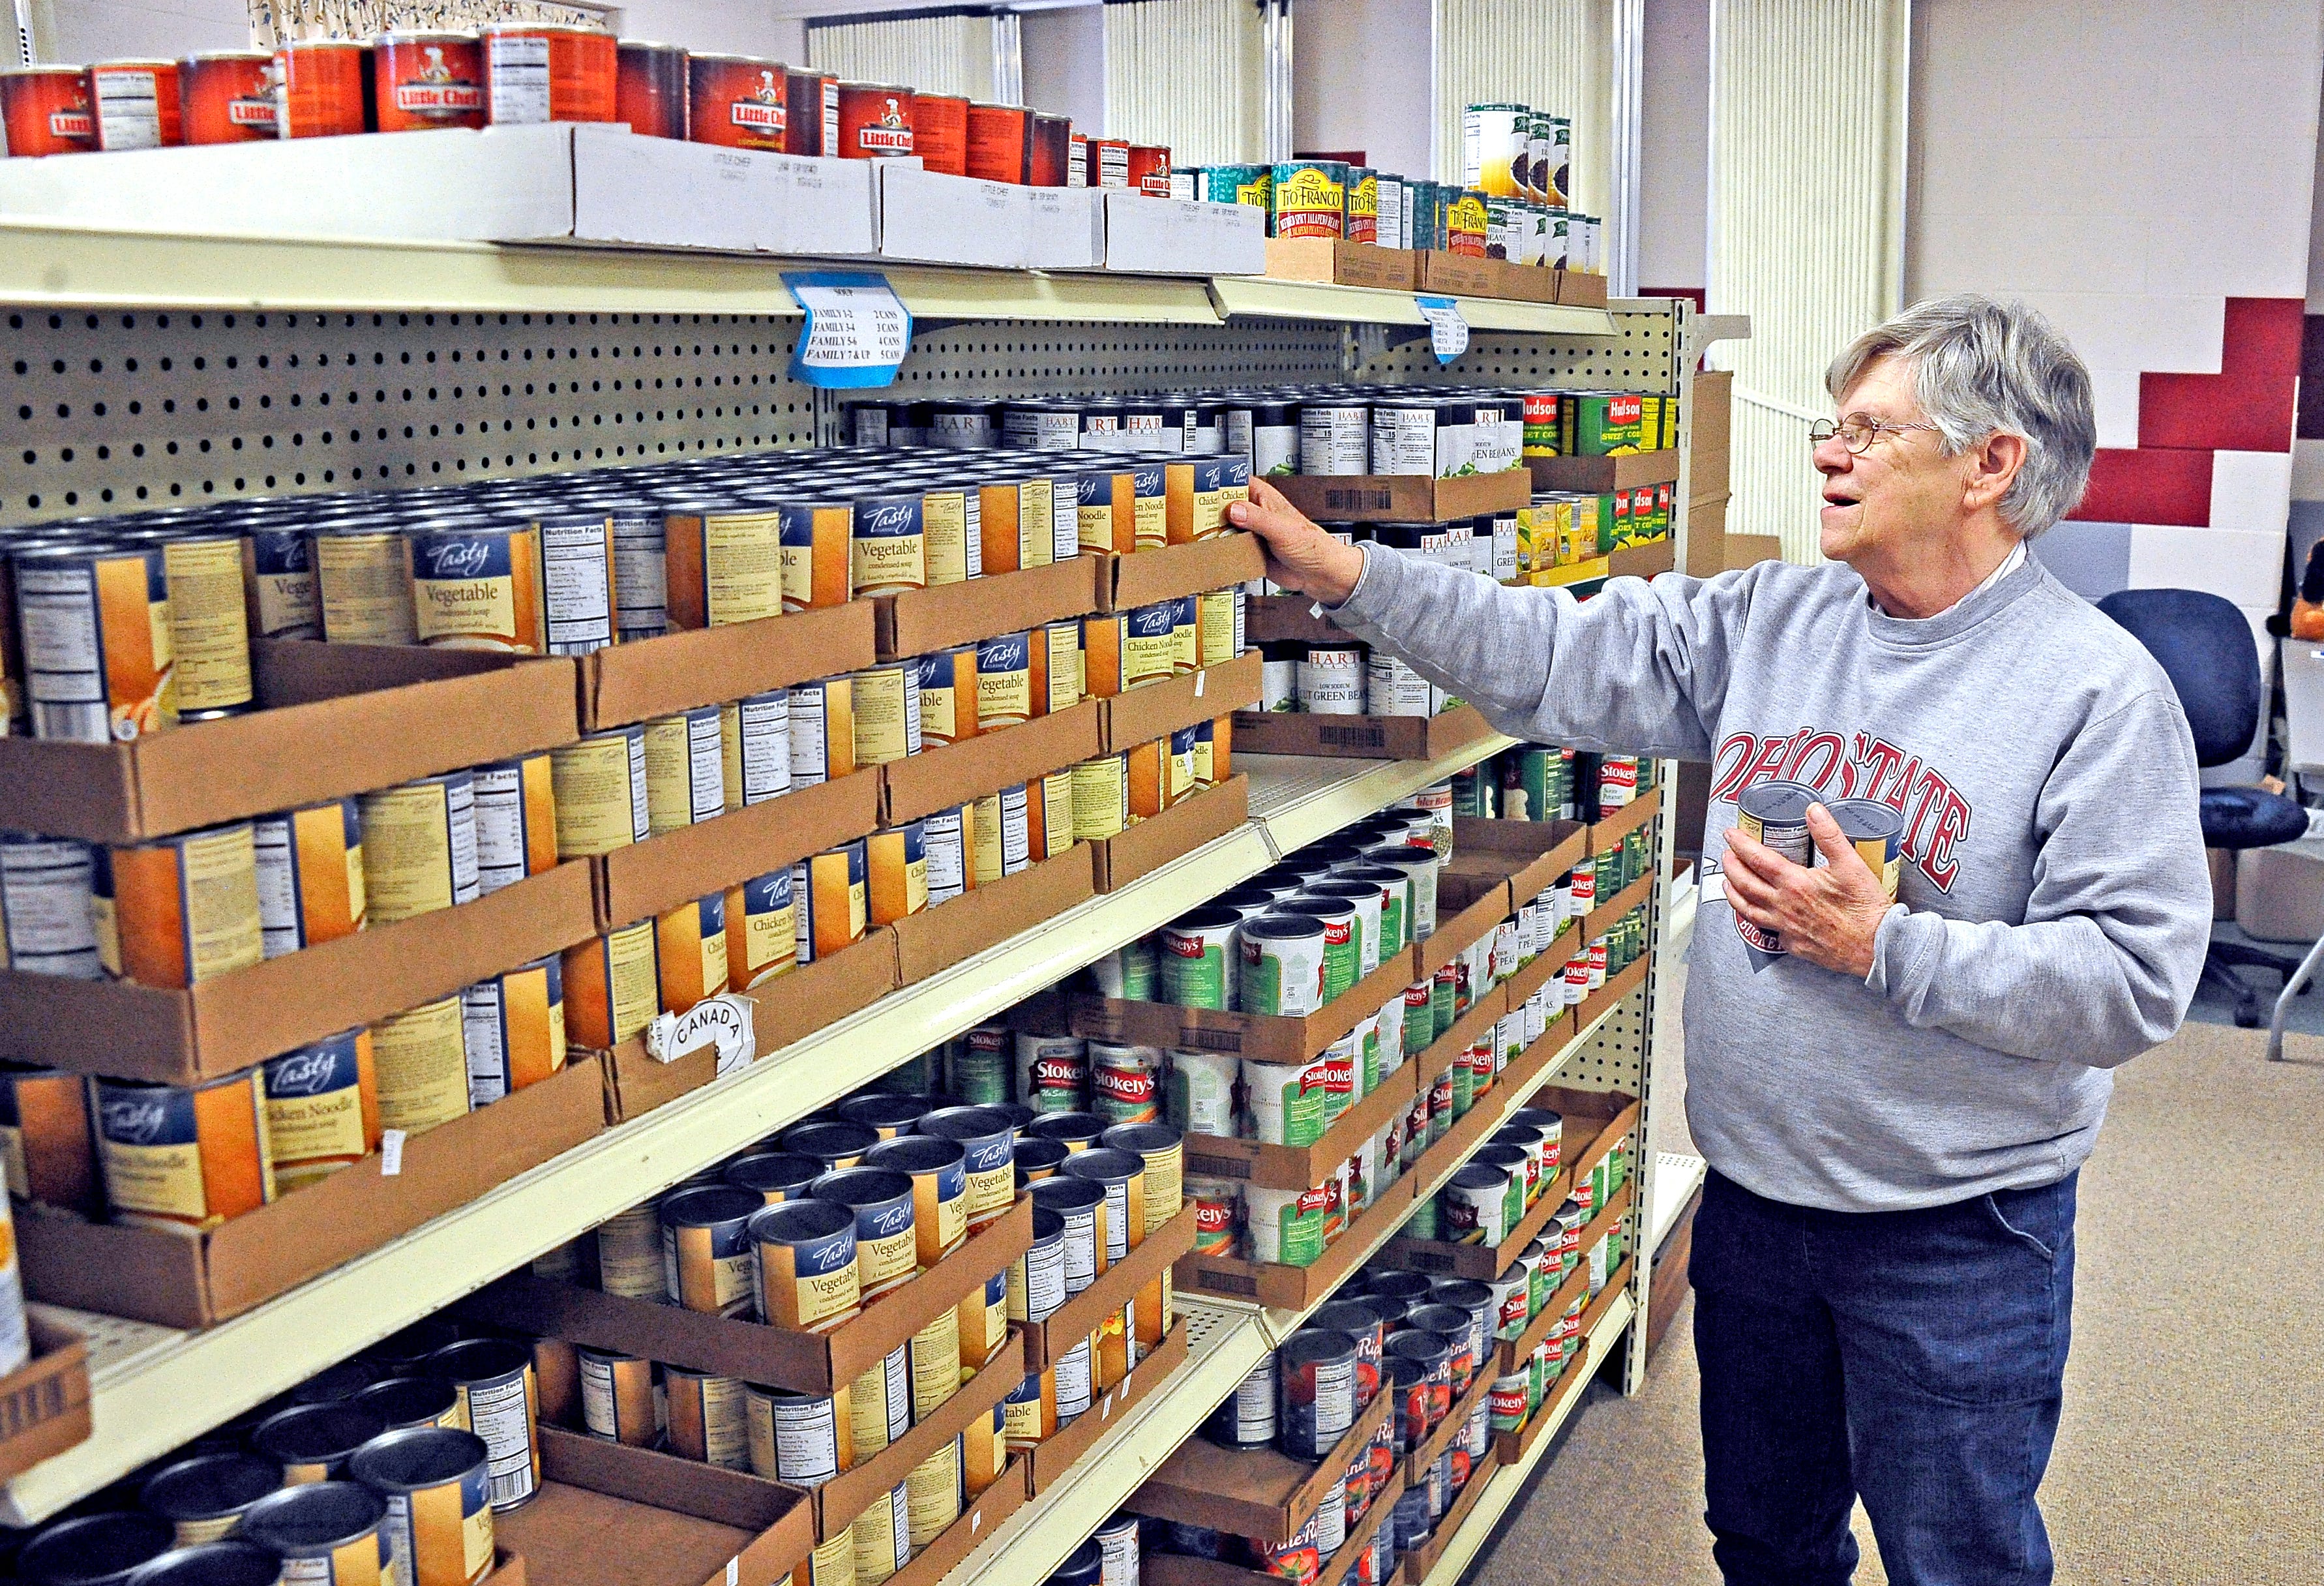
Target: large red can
[
  {"x": 1109, "y": 163},
  {"x": 323, "y": 87},
  {"x": 940, "y": 132},
  {"x": 649, "y": 88},
  {"x": 538, "y": 71},
  {"x": 47, "y": 110},
  {"x": 875, "y": 121},
  {"x": 812, "y": 126},
  {"x": 737, "y": 101},
  {"x": 421, "y": 82},
  {"x": 136, "y": 104},
  {"x": 1149, "y": 170},
  {"x": 1053, "y": 145},
  {"x": 1001, "y": 142},
  {"x": 227, "y": 96}
]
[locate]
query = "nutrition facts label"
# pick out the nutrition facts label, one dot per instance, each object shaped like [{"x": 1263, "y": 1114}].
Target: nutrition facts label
[
  {"x": 518, "y": 69},
  {"x": 857, "y": 332},
  {"x": 499, "y": 1414}
]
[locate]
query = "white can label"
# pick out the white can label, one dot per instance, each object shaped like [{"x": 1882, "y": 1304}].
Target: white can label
[{"x": 517, "y": 67}]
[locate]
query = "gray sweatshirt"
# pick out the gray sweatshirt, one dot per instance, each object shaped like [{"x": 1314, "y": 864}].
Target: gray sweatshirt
[{"x": 2053, "y": 904}]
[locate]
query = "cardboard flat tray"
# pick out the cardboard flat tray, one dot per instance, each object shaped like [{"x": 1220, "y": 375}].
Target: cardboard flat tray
[
  {"x": 1606, "y": 833},
  {"x": 1359, "y": 737},
  {"x": 181, "y": 1280},
  {"x": 1268, "y": 1038},
  {"x": 984, "y": 917},
  {"x": 710, "y": 666},
  {"x": 339, "y": 719},
  {"x": 1262, "y": 1493},
  {"x": 1441, "y": 271},
  {"x": 1116, "y": 1287},
  {"x": 1296, "y": 1288},
  {"x": 1531, "y": 854},
  {"x": 44, "y": 1402},
  {"x": 1156, "y": 710},
  {"x": 1420, "y": 1563},
  {"x": 1511, "y": 1353},
  {"x": 1207, "y": 816},
  {"x": 1047, "y": 1460},
  {"x": 1596, "y": 475},
  {"x": 921, "y": 620},
  {"x": 231, "y": 1021},
  {"x": 1405, "y": 498},
  {"x": 1143, "y": 577},
  {"x": 1342, "y": 262},
  {"x": 954, "y": 773},
  {"x": 1288, "y": 619},
  {"x": 662, "y": 873}
]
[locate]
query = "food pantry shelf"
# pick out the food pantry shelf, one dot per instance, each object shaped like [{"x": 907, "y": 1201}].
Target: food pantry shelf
[
  {"x": 1239, "y": 296},
  {"x": 1299, "y": 798}
]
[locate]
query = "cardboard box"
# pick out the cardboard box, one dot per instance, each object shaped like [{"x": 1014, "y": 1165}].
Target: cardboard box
[
  {"x": 1405, "y": 498},
  {"x": 1184, "y": 236},
  {"x": 338, "y": 719},
  {"x": 785, "y": 1010},
  {"x": 921, "y": 620},
  {"x": 44, "y": 1402},
  {"x": 1299, "y": 1288},
  {"x": 232, "y": 1021},
  {"x": 710, "y": 666},
  {"x": 1295, "y": 1167},
  {"x": 1712, "y": 425},
  {"x": 1156, "y": 710},
  {"x": 978, "y": 1520},
  {"x": 1114, "y": 1288},
  {"x": 1046, "y": 1462},
  {"x": 609, "y": 1515},
  {"x": 1288, "y": 619},
  {"x": 1512, "y": 1352},
  {"x": 1597, "y": 475},
  {"x": 1420, "y": 1563},
  {"x": 1066, "y": 229},
  {"x": 1342, "y": 262},
  {"x": 1359, "y": 737},
  {"x": 1706, "y": 537},
  {"x": 1267, "y": 1038},
  {"x": 1207, "y": 816},
  {"x": 1602, "y": 1001},
  {"x": 951, "y": 219},
  {"x": 1581, "y": 288},
  {"x": 1261, "y": 1493},
  {"x": 1547, "y": 965},
  {"x": 1531, "y": 855},
  {"x": 1649, "y": 560},
  {"x": 1606, "y": 835},
  {"x": 848, "y": 1494},
  {"x": 1748, "y": 550},
  {"x": 985, "y": 916},
  {"x": 181, "y": 1280},
  {"x": 659, "y": 874},
  {"x": 955, "y": 773},
  {"x": 1510, "y": 1447},
  {"x": 807, "y": 1362},
  {"x": 1145, "y": 577},
  {"x": 1454, "y": 273}
]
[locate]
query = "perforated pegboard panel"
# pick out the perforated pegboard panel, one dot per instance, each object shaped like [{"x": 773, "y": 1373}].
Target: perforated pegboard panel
[
  {"x": 1641, "y": 355},
  {"x": 108, "y": 411},
  {"x": 1611, "y": 1059},
  {"x": 997, "y": 359}
]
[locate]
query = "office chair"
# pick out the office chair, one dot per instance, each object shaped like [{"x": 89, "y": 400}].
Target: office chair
[{"x": 2205, "y": 645}]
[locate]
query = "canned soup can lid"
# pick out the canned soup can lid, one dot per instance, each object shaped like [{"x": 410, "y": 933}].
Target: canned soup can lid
[
  {"x": 93, "y": 1548},
  {"x": 1048, "y": 1226},
  {"x": 209, "y": 1485},
  {"x": 1447, "y": 1322},
  {"x": 417, "y": 1457},
  {"x": 773, "y": 1170},
  {"x": 1786, "y": 802},
  {"x": 1349, "y": 1316},
  {"x": 305, "y": 1434},
  {"x": 968, "y": 1123},
  {"x": 911, "y": 1154},
  {"x": 224, "y": 1562},
  {"x": 1067, "y": 1127},
  {"x": 1144, "y": 1138},
  {"x": 1283, "y": 928},
  {"x": 886, "y": 1110},
  {"x": 791, "y": 1222},
  {"x": 405, "y": 1400},
  {"x": 1105, "y": 1166},
  {"x": 708, "y": 1205},
  {"x": 1037, "y": 1153},
  {"x": 830, "y": 1140},
  {"x": 1315, "y": 1345},
  {"x": 1464, "y": 1293},
  {"x": 1209, "y": 918},
  {"x": 1419, "y": 1344},
  {"x": 1068, "y": 1194},
  {"x": 1863, "y": 818},
  {"x": 862, "y": 1186},
  {"x": 313, "y": 1518},
  {"x": 475, "y": 1359}
]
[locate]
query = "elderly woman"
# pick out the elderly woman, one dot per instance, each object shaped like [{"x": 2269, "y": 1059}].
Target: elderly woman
[{"x": 1897, "y": 1103}]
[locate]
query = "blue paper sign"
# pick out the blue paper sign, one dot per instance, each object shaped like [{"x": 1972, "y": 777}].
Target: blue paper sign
[
  {"x": 856, "y": 332},
  {"x": 1448, "y": 333}
]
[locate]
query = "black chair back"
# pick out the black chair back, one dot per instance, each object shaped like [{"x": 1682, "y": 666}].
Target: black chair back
[{"x": 2205, "y": 646}]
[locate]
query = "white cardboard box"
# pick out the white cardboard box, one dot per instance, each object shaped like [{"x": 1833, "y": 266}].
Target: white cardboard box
[
  {"x": 1068, "y": 228},
  {"x": 933, "y": 219},
  {"x": 657, "y": 192},
  {"x": 1184, "y": 236}
]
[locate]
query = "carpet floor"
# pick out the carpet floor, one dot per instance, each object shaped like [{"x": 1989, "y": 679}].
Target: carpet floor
[{"x": 2190, "y": 1451}]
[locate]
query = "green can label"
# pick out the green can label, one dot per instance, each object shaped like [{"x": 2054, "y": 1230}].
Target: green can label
[
  {"x": 1194, "y": 967},
  {"x": 1299, "y": 1238}
]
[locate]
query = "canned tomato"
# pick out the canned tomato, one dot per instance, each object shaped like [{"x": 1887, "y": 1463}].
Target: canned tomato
[
  {"x": 999, "y": 144},
  {"x": 513, "y": 1024},
  {"x": 47, "y": 110},
  {"x": 811, "y": 103},
  {"x": 762, "y": 929},
  {"x": 737, "y": 101},
  {"x": 425, "y": 80},
  {"x": 537, "y": 72},
  {"x": 1317, "y": 1371},
  {"x": 186, "y": 1157},
  {"x": 184, "y": 908},
  {"x": 136, "y": 104},
  {"x": 321, "y": 92},
  {"x": 875, "y": 121},
  {"x": 436, "y": 1482},
  {"x": 96, "y": 634},
  {"x": 1468, "y": 223},
  {"x": 322, "y": 1108},
  {"x": 600, "y": 788},
  {"x": 324, "y": 1531},
  {"x": 651, "y": 87}
]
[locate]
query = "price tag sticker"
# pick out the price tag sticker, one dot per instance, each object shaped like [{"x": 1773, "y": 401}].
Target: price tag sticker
[
  {"x": 856, "y": 332},
  {"x": 390, "y": 1153},
  {"x": 1448, "y": 333},
  {"x": 723, "y": 1021}
]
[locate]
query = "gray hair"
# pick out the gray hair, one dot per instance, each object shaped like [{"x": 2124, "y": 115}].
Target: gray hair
[{"x": 1980, "y": 367}]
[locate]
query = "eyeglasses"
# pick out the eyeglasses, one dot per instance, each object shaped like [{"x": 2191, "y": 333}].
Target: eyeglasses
[{"x": 1858, "y": 431}]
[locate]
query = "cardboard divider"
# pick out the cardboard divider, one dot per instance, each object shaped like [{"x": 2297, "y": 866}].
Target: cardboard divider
[
  {"x": 1645, "y": 559},
  {"x": 1583, "y": 289},
  {"x": 1341, "y": 1567},
  {"x": 1606, "y": 835},
  {"x": 955, "y": 773},
  {"x": 1510, "y": 1353},
  {"x": 806, "y": 1363},
  {"x": 1405, "y": 498},
  {"x": 1155, "y": 710},
  {"x": 1414, "y": 1467},
  {"x": 1510, "y": 1447},
  {"x": 1470, "y": 277},
  {"x": 1602, "y": 918},
  {"x": 232, "y": 1021},
  {"x": 1207, "y": 816},
  {"x": 44, "y": 1402},
  {"x": 1531, "y": 854},
  {"x": 611, "y": 1515},
  {"x": 337, "y": 719},
  {"x": 1616, "y": 987},
  {"x": 1270, "y": 1167},
  {"x": 662, "y": 873},
  {"x": 1467, "y": 906},
  {"x": 1296, "y": 1288},
  {"x": 682, "y": 669},
  {"x": 1441, "y": 1054},
  {"x": 1145, "y": 577},
  {"x": 1047, "y": 1460},
  {"x": 1597, "y": 475},
  {"x": 1420, "y": 1563},
  {"x": 1263, "y": 1493},
  {"x": 508, "y": 1569},
  {"x": 1268, "y": 1038},
  {"x": 978, "y": 1519},
  {"x": 848, "y": 1494},
  {"x": 986, "y": 915},
  {"x": 920, "y": 620},
  {"x": 1288, "y": 619},
  {"x": 1432, "y": 737},
  {"x": 1119, "y": 1284},
  {"x": 182, "y": 1280},
  {"x": 1342, "y": 262},
  {"x": 1547, "y": 965}
]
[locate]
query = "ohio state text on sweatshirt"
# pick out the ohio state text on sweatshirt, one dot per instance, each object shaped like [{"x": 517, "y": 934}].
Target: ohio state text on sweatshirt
[{"x": 2052, "y": 905}]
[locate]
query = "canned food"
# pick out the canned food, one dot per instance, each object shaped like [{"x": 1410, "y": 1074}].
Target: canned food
[
  {"x": 882, "y": 1201},
  {"x": 738, "y": 101},
  {"x": 47, "y": 110},
  {"x": 775, "y": 1177},
  {"x": 938, "y": 1169},
  {"x": 1283, "y": 968},
  {"x": 651, "y": 90},
  {"x": 325, "y": 1532},
  {"x": 690, "y": 946},
  {"x": 209, "y": 625},
  {"x": 98, "y": 666},
  {"x": 1121, "y": 1175},
  {"x": 500, "y": 1402},
  {"x": 619, "y": 1397},
  {"x": 321, "y": 88},
  {"x": 762, "y": 929},
  {"x": 886, "y": 707},
  {"x": 999, "y": 144},
  {"x": 423, "y": 81},
  {"x": 516, "y": 823},
  {"x": 832, "y": 893},
  {"x": 940, "y": 132},
  {"x": 278, "y": 571},
  {"x": 440, "y": 1519},
  {"x": 811, "y": 126},
  {"x": 1307, "y": 197},
  {"x": 1000, "y": 833},
  {"x": 322, "y": 1108},
  {"x": 1775, "y": 813},
  {"x": 537, "y": 72},
  {"x": 1289, "y": 1226},
  {"x": 1315, "y": 1369},
  {"x": 875, "y": 123},
  {"x": 805, "y": 1270},
  {"x": 313, "y": 1441},
  {"x": 190, "y": 1156},
  {"x": 600, "y": 788},
  {"x": 686, "y": 770},
  {"x": 421, "y": 1059},
  {"x": 880, "y": 1402},
  {"x": 612, "y": 985},
  {"x": 420, "y": 846}
]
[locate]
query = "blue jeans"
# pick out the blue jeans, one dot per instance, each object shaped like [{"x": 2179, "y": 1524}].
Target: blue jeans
[{"x": 1915, "y": 1358}]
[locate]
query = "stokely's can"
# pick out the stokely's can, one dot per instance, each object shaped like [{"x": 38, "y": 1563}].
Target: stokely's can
[
  {"x": 205, "y": 1496},
  {"x": 708, "y": 1258},
  {"x": 762, "y": 929},
  {"x": 184, "y": 908},
  {"x": 804, "y": 1272},
  {"x": 811, "y": 118},
  {"x": 537, "y": 72},
  {"x": 822, "y": 731},
  {"x": 738, "y": 101},
  {"x": 831, "y": 889},
  {"x": 438, "y": 1486},
  {"x": 651, "y": 87},
  {"x": 875, "y": 121},
  {"x": 1283, "y": 964},
  {"x": 425, "y": 80},
  {"x": 886, "y": 1251},
  {"x": 686, "y": 770},
  {"x": 47, "y": 110},
  {"x": 600, "y": 788},
  {"x": 96, "y": 636},
  {"x": 420, "y": 846},
  {"x": 322, "y": 1108},
  {"x": 612, "y": 985},
  {"x": 500, "y": 1402},
  {"x": 325, "y": 1532}
]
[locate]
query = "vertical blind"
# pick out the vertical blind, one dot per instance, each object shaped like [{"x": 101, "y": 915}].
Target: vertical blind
[
  {"x": 1554, "y": 55},
  {"x": 1807, "y": 224},
  {"x": 1191, "y": 74},
  {"x": 941, "y": 54}
]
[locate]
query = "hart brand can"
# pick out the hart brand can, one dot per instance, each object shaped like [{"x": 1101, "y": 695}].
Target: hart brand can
[
  {"x": 185, "y": 908},
  {"x": 890, "y": 551},
  {"x": 940, "y": 132},
  {"x": 831, "y": 891},
  {"x": 618, "y": 1399},
  {"x": 811, "y": 118},
  {"x": 1775, "y": 813},
  {"x": 320, "y": 88},
  {"x": 612, "y": 985},
  {"x": 1307, "y": 197},
  {"x": 804, "y": 1272},
  {"x": 420, "y": 846},
  {"x": 885, "y": 1243},
  {"x": 886, "y": 707},
  {"x": 738, "y": 101},
  {"x": 423, "y": 81},
  {"x": 422, "y": 1057},
  {"x": 762, "y": 929},
  {"x": 500, "y": 1402},
  {"x": 947, "y": 688},
  {"x": 436, "y": 1482},
  {"x": 1332, "y": 680},
  {"x": 754, "y": 739},
  {"x": 650, "y": 89},
  {"x": 97, "y": 642},
  {"x": 514, "y": 1025},
  {"x": 707, "y": 1258},
  {"x": 516, "y": 822},
  {"x": 324, "y": 1530},
  {"x": 690, "y": 947},
  {"x": 136, "y": 103},
  {"x": 999, "y": 144},
  {"x": 204, "y": 1497},
  {"x": 709, "y": 1418},
  {"x": 600, "y": 788},
  {"x": 322, "y": 1108},
  {"x": 537, "y": 72},
  {"x": 875, "y": 121},
  {"x": 686, "y": 770},
  {"x": 822, "y": 731},
  {"x": 47, "y": 110}
]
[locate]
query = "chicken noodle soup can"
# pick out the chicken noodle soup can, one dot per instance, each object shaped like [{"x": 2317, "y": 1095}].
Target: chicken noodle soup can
[
  {"x": 186, "y": 1157},
  {"x": 322, "y": 1108},
  {"x": 438, "y": 1486},
  {"x": 513, "y": 1024},
  {"x": 832, "y": 893}
]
